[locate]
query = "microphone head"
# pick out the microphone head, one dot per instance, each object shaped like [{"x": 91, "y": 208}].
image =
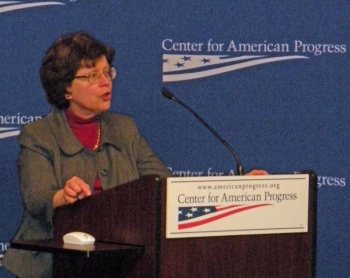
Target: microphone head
[{"x": 167, "y": 93}]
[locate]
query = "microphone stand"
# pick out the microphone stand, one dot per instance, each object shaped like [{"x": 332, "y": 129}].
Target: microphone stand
[{"x": 168, "y": 94}]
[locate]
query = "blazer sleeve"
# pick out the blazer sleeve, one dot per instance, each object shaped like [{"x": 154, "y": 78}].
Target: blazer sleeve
[{"x": 37, "y": 180}]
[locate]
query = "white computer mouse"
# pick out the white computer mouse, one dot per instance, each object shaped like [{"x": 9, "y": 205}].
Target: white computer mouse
[{"x": 79, "y": 238}]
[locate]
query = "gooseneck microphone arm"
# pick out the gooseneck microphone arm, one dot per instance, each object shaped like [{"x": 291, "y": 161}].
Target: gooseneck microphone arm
[{"x": 168, "y": 94}]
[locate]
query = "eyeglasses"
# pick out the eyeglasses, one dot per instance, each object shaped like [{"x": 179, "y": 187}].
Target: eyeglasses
[{"x": 95, "y": 76}]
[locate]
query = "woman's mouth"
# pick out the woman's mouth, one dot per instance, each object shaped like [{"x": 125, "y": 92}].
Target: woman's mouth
[{"x": 106, "y": 96}]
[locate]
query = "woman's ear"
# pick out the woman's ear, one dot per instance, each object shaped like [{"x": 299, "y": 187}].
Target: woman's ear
[{"x": 68, "y": 96}]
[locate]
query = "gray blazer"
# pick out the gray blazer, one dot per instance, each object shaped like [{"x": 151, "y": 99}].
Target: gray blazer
[{"x": 50, "y": 155}]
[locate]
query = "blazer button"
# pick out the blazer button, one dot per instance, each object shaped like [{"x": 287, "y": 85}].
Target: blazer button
[{"x": 104, "y": 172}]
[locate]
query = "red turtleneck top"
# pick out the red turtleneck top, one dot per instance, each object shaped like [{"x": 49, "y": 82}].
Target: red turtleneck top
[{"x": 86, "y": 130}]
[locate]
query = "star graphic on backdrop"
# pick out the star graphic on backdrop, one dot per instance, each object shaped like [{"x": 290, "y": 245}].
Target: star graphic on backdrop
[
  {"x": 185, "y": 58},
  {"x": 179, "y": 65}
]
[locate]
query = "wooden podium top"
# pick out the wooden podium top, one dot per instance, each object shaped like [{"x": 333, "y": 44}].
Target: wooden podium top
[
  {"x": 98, "y": 249},
  {"x": 102, "y": 259}
]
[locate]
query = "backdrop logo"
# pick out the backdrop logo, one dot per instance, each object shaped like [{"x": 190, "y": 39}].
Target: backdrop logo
[
  {"x": 8, "y": 6},
  {"x": 182, "y": 67},
  {"x": 10, "y": 125},
  {"x": 199, "y": 61},
  {"x": 9, "y": 132}
]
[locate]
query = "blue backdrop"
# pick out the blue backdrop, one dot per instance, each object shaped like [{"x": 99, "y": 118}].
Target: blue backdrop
[{"x": 272, "y": 79}]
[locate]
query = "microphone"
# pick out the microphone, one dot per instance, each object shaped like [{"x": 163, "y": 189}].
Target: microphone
[{"x": 168, "y": 94}]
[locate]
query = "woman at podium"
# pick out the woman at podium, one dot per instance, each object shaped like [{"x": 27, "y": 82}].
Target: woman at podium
[{"x": 79, "y": 148}]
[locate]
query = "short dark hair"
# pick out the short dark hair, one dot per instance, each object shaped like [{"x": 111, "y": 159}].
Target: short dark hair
[{"x": 63, "y": 59}]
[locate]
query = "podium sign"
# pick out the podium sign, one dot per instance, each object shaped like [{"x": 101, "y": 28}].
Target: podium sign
[{"x": 236, "y": 205}]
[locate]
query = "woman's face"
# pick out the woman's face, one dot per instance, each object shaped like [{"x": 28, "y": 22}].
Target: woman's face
[{"x": 88, "y": 100}]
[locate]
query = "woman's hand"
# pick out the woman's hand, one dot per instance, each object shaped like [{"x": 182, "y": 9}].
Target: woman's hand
[
  {"x": 257, "y": 172},
  {"x": 75, "y": 189}
]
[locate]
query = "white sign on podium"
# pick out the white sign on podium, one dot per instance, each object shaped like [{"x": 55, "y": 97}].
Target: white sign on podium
[{"x": 236, "y": 205}]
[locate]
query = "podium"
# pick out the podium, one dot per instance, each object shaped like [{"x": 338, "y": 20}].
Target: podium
[{"x": 133, "y": 215}]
